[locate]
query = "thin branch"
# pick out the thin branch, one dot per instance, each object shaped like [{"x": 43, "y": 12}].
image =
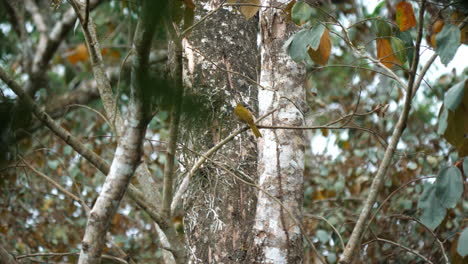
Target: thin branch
[
  {"x": 441, "y": 245},
  {"x": 398, "y": 130},
  {"x": 51, "y": 181},
  {"x": 319, "y": 217},
  {"x": 175, "y": 62},
  {"x": 379, "y": 137},
  {"x": 52, "y": 254},
  {"x": 94, "y": 49},
  {"x": 414, "y": 252},
  {"x": 403, "y": 186},
  {"x": 72, "y": 141},
  {"x": 187, "y": 30}
]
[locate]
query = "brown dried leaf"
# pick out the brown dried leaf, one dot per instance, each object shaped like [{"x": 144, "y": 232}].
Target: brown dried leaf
[
  {"x": 322, "y": 54},
  {"x": 250, "y": 8},
  {"x": 385, "y": 53},
  {"x": 405, "y": 16}
]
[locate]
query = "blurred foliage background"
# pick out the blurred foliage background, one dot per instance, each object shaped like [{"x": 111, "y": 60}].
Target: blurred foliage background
[{"x": 36, "y": 217}]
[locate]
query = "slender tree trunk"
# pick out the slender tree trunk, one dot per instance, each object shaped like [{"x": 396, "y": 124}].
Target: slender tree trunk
[
  {"x": 280, "y": 152},
  {"x": 219, "y": 208}
]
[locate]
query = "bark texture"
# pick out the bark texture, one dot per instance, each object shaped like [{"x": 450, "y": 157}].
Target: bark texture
[
  {"x": 280, "y": 152},
  {"x": 220, "y": 209}
]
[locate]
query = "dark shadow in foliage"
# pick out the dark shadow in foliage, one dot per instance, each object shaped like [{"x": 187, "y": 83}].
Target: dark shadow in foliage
[{"x": 161, "y": 94}]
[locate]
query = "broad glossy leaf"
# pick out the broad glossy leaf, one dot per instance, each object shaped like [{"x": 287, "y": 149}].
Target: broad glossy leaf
[
  {"x": 409, "y": 45},
  {"x": 382, "y": 28},
  {"x": 298, "y": 43},
  {"x": 399, "y": 48},
  {"x": 432, "y": 210},
  {"x": 443, "y": 121},
  {"x": 447, "y": 42},
  {"x": 301, "y": 13},
  {"x": 302, "y": 40},
  {"x": 455, "y": 94},
  {"x": 462, "y": 247},
  {"x": 449, "y": 186},
  {"x": 457, "y": 125},
  {"x": 405, "y": 16}
]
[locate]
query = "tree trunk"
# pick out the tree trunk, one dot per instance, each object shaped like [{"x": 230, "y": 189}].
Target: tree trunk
[
  {"x": 220, "y": 209},
  {"x": 277, "y": 233}
]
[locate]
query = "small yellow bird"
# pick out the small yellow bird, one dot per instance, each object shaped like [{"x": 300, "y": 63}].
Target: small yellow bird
[{"x": 245, "y": 116}]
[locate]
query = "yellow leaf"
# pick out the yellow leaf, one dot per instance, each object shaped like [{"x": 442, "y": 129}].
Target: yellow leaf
[
  {"x": 385, "y": 53},
  {"x": 322, "y": 54},
  {"x": 405, "y": 16},
  {"x": 250, "y": 8}
]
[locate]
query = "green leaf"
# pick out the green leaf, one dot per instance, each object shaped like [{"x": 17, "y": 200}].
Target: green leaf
[
  {"x": 323, "y": 236},
  {"x": 53, "y": 164},
  {"x": 409, "y": 45},
  {"x": 316, "y": 33},
  {"x": 447, "y": 42},
  {"x": 302, "y": 40},
  {"x": 399, "y": 49},
  {"x": 301, "y": 13},
  {"x": 432, "y": 210},
  {"x": 465, "y": 166},
  {"x": 449, "y": 186},
  {"x": 378, "y": 8},
  {"x": 443, "y": 121},
  {"x": 298, "y": 47},
  {"x": 454, "y": 96},
  {"x": 331, "y": 258},
  {"x": 382, "y": 28},
  {"x": 462, "y": 247},
  {"x": 67, "y": 150}
]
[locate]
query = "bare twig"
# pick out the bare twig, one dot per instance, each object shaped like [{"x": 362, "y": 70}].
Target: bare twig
[
  {"x": 52, "y": 254},
  {"x": 333, "y": 227},
  {"x": 414, "y": 252},
  {"x": 441, "y": 245},
  {"x": 390, "y": 196},
  {"x": 51, "y": 181}
]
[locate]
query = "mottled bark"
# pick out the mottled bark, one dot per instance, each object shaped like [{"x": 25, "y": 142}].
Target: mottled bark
[
  {"x": 280, "y": 152},
  {"x": 219, "y": 209}
]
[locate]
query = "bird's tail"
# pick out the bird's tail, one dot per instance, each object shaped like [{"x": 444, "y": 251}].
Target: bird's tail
[{"x": 255, "y": 130}]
